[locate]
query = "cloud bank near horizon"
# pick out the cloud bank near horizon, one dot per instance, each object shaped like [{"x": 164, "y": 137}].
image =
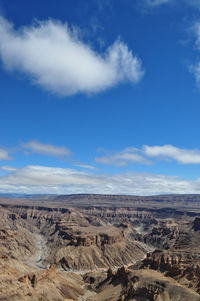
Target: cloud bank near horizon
[
  {"x": 51, "y": 180},
  {"x": 55, "y": 58},
  {"x": 57, "y": 180}
]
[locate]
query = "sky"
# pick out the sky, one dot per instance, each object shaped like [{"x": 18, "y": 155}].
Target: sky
[{"x": 100, "y": 96}]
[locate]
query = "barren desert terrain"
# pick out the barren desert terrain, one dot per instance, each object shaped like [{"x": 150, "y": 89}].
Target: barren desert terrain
[{"x": 85, "y": 247}]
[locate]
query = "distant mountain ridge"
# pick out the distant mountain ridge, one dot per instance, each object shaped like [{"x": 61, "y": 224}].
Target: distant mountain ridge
[
  {"x": 96, "y": 196},
  {"x": 163, "y": 201}
]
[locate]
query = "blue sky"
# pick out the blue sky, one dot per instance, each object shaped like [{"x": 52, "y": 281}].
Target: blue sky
[{"x": 100, "y": 96}]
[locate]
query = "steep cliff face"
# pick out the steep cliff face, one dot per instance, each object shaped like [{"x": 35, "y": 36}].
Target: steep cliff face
[
  {"x": 183, "y": 266},
  {"x": 165, "y": 261},
  {"x": 91, "y": 235},
  {"x": 196, "y": 224}
]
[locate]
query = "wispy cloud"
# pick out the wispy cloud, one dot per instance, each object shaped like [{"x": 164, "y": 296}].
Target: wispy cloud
[
  {"x": 40, "y": 179},
  {"x": 194, "y": 3},
  {"x": 195, "y": 67},
  {"x": 124, "y": 157},
  {"x": 4, "y": 154},
  {"x": 59, "y": 61},
  {"x": 157, "y": 3},
  {"x": 83, "y": 165},
  {"x": 46, "y": 149},
  {"x": 148, "y": 155},
  {"x": 8, "y": 168}
]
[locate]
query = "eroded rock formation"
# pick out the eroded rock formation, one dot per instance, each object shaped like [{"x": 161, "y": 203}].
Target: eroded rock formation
[{"x": 42, "y": 246}]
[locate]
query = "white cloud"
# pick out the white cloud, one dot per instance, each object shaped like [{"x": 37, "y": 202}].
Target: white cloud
[
  {"x": 46, "y": 149},
  {"x": 127, "y": 156},
  {"x": 40, "y": 179},
  {"x": 183, "y": 156},
  {"x": 146, "y": 154},
  {"x": 4, "y": 154},
  {"x": 59, "y": 61}
]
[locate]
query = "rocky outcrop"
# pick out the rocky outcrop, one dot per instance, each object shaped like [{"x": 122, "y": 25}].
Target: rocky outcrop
[
  {"x": 30, "y": 279},
  {"x": 196, "y": 224},
  {"x": 110, "y": 273},
  {"x": 170, "y": 263},
  {"x": 149, "y": 285},
  {"x": 44, "y": 285},
  {"x": 91, "y": 235},
  {"x": 182, "y": 266}
]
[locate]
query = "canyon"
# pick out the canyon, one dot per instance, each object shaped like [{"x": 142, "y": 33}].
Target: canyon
[{"x": 91, "y": 247}]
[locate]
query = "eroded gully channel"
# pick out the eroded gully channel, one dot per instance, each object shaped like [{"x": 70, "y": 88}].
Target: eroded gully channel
[{"x": 42, "y": 250}]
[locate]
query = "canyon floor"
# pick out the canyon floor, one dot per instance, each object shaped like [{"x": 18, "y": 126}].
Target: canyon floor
[{"x": 100, "y": 248}]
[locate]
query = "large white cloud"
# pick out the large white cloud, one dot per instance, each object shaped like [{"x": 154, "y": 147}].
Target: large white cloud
[
  {"x": 46, "y": 149},
  {"x": 58, "y": 60},
  {"x": 146, "y": 154},
  {"x": 40, "y": 179}
]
